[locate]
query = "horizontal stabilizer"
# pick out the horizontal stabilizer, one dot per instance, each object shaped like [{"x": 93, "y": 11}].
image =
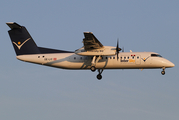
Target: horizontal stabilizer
[{"x": 13, "y": 25}]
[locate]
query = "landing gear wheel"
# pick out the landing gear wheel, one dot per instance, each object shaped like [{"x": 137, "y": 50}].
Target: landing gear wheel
[
  {"x": 163, "y": 72},
  {"x": 99, "y": 76},
  {"x": 93, "y": 69}
]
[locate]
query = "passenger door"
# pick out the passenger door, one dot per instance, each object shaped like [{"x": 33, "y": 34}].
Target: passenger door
[{"x": 138, "y": 59}]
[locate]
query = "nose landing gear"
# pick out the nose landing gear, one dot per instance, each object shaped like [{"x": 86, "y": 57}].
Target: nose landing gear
[{"x": 163, "y": 71}]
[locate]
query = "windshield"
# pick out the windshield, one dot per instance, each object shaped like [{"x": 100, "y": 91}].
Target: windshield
[{"x": 155, "y": 55}]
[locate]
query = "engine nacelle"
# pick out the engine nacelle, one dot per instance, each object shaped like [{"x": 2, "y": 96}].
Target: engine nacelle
[{"x": 105, "y": 51}]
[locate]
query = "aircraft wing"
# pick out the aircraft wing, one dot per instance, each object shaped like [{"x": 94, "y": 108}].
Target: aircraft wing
[{"x": 91, "y": 42}]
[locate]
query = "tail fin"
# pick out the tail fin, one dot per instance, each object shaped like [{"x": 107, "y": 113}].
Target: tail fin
[{"x": 21, "y": 40}]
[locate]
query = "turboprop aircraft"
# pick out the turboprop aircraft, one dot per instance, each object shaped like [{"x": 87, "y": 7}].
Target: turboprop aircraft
[{"x": 93, "y": 55}]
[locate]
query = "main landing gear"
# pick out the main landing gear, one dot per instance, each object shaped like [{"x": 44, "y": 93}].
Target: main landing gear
[
  {"x": 163, "y": 71},
  {"x": 99, "y": 76},
  {"x": 93, "y": 63},
  {"x": 93, "y": 68}
]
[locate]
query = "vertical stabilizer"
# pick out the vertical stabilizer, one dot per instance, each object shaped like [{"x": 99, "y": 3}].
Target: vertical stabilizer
[{"x": 22, "y": 41}]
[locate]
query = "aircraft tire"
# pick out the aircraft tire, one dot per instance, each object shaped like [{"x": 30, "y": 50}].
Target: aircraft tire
[
  {"x": 163, "y": 72},
  {"x": 93, "y": 69},
  {"x": 99, "y": 76}
]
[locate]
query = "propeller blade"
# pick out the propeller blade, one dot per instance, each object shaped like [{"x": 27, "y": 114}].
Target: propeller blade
[
  {"x": 117, "y": 49},
  {"x": 117, "y": 45}
]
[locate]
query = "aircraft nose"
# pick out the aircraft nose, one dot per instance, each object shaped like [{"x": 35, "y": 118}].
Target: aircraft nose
[
  {"x": 170, "y": 64},
  {"x": 166, "y": 63}
]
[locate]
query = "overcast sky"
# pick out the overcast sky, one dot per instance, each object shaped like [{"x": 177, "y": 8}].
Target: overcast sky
[{"x": 33, "y": 92}]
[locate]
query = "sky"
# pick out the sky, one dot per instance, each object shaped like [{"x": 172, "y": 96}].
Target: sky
[{"x": 29, "y": 91}]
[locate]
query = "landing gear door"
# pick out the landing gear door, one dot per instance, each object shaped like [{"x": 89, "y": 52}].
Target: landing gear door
[{"x": 138, "y": 59}]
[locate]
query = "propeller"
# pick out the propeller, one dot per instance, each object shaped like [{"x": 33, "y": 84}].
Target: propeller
[{"x": 117, "y": 49}]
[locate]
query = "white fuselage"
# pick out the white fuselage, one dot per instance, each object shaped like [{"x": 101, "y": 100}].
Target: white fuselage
[{"x": 127, "y": 60}]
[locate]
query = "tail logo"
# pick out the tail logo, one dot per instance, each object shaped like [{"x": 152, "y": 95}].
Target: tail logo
[{"x": 19, "y": 45}]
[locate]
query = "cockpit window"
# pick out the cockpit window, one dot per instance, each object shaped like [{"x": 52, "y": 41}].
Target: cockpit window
[{"x": 155, "y": 55}]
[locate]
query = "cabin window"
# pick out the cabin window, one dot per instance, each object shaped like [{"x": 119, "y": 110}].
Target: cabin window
[
  {"x": 110, "y": 57},
  {"x": 137, "y": 57},
  {"x": 121, "y": 57},
  {"x": 38, "y": 56},
  {"x": 74, "y": 58},
  {"x": 106, "y": 57},
  {"x": 128, "y": 57},
  {"x": 113, "y": 57},
  {"x": 132, "y": 57},
  {"x": 124, "y": 57},
  {"x": 81, "y": 58}
]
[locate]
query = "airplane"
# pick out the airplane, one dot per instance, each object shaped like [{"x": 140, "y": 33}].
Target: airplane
[{"x": 92, "y": 56}]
